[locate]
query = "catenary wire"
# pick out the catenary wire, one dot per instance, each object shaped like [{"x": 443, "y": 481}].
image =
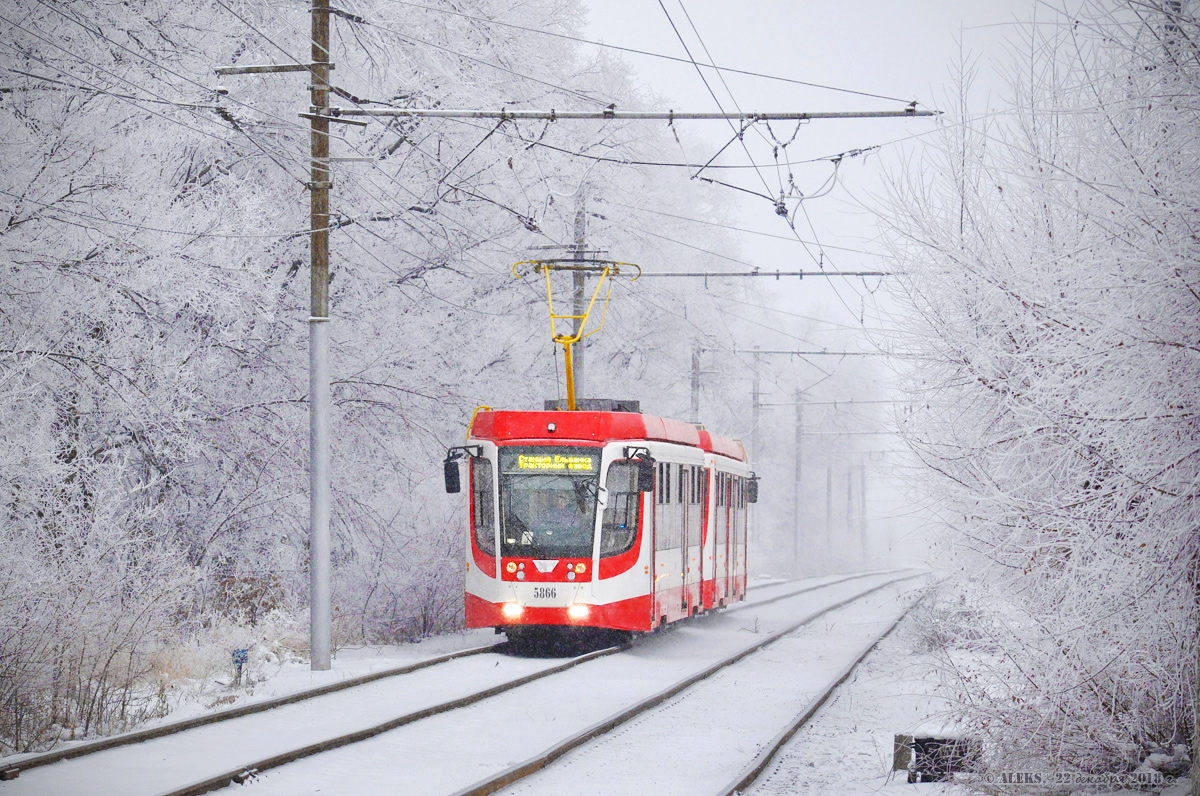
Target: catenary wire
[{"x": 635, "y": 51}]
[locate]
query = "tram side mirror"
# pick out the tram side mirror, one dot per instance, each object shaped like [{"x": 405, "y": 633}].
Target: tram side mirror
[
  {"x": 752, "y": 491},
  {"x": 645, "y": 474},
  {"x": 450, "y": 469}
]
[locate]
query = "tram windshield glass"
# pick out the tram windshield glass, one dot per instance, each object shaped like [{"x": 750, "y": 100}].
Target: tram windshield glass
[{"x": 548, "y": 501}]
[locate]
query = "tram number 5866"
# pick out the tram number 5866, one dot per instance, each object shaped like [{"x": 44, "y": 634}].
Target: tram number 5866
[{"x": 544, "y": 592}]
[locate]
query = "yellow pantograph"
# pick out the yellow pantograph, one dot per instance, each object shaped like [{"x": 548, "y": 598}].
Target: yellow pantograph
[{"x": 607, "y": 270}]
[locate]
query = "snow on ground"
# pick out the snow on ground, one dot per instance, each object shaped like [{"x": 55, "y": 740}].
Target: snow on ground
[
  {"x": 266, "y": 681},
  {"x": 267, "y": 677},
  {"x": 847, "y": 748},
  {"x": 445, "y": 753},
  {"x": 699, "y": 739}
]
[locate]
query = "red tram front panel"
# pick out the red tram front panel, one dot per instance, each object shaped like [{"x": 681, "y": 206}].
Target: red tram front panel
[{"x": 561, "y": 535}]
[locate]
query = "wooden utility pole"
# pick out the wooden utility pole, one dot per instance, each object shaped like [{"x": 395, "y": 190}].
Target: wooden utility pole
[{"x": 320, "y": 593}]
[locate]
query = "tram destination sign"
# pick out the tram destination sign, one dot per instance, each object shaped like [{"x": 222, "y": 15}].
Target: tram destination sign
[{"x": 556, "y": 463}]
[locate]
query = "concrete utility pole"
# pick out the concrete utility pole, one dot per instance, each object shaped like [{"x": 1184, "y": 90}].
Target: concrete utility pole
[
  {"x": 796, "y": 489},
  {"x": 580, "y": 289},
  {"x": 320, "y": 594},
  {"x": 321, "y": 180}
]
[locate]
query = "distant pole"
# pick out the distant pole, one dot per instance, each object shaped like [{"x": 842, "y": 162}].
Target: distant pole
[
  {"x": 580, "y": 287},
  {"x": 755, "y": 404},
  {"x": 796, "y": 489},
  {"x": 695, "y": 415},
  {"x": 829, "y": 509},
  {"x": 320, "y": 593},
  {"x": 850, "y": 502},
  {"x": 862, "y": 508}
]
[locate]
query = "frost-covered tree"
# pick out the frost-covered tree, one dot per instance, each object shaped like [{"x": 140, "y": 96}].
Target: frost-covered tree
[
  {"x": 1053, "y": 281},
  {"x": 153, "y": 358}
]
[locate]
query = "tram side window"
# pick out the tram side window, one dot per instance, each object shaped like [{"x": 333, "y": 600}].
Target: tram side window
[
  {"x": 619, "y": 525},
  {"x": 668, "y": 530},
  {"x": 482, "y": 506}
]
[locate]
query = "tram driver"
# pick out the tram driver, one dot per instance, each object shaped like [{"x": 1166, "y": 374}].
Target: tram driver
[{"x": 558, "y": 513}]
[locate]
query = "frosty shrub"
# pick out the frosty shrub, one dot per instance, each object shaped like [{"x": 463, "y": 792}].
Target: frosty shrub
[
  {"x": 944, "y": 620},
  {"x": 1053, "y": 285}
]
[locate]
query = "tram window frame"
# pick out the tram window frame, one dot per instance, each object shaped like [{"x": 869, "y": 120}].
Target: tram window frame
[
  {"x": 486, "y": 542},
  {"x": 626, "y": 502}
]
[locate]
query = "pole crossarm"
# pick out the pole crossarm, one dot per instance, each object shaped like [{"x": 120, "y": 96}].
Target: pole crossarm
[
  {"x": 261, "y": 69},
  {"x": 829, "y": 403},
  {"x": 611, "y": 114},
  {"x": 786, "y": 352}
]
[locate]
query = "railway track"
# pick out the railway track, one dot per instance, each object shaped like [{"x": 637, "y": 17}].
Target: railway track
[
  {"x": 473, "y": 670},
  {"x": 747, "y": 774}
]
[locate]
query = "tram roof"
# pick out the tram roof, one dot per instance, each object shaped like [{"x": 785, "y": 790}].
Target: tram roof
[{"x": 601, "y": 427}]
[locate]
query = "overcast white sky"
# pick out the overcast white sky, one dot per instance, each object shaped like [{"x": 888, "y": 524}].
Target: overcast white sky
[
  {"x": 905, "y": 50},
  {"x": 896, "y": 49}
]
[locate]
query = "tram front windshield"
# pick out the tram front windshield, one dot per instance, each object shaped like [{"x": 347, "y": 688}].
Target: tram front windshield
[{"x": 548, "y": 501}]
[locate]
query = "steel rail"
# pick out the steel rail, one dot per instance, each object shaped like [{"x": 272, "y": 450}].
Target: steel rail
[
  {"x": 531, "y": 766},
  {"x": 246, "y": 772},
  {"x": 12, "y": 769},
  {"x": 754, "y": 770},
  {"x": 745, "y": 606}
]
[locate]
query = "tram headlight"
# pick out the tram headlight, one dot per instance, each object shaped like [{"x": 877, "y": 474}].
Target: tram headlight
[
  {"x": 578, "y": 611},
  {"x": 511, "y": 566},
  {"x": 512, "y": 610}
]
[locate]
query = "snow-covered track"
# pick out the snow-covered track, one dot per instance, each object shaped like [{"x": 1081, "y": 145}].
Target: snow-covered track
[
  {"x": 243, "y": 773},
  {"x": 747, "y": 776},
  {"x": 14, "y": 768},
  {"x": 241, "y": 766},
  {"x": 753, "y": 602},
  {"x": 533, "y": 765}
]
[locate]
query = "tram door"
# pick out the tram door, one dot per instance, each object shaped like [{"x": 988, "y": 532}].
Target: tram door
[
  {"x": 684, "y": 539},
  {"x": 728, "y": 519},
  {"x": 721, "y": 540}
]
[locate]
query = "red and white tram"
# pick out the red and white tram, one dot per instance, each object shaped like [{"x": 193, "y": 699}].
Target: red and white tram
[{"x": 600, "y": 519}]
